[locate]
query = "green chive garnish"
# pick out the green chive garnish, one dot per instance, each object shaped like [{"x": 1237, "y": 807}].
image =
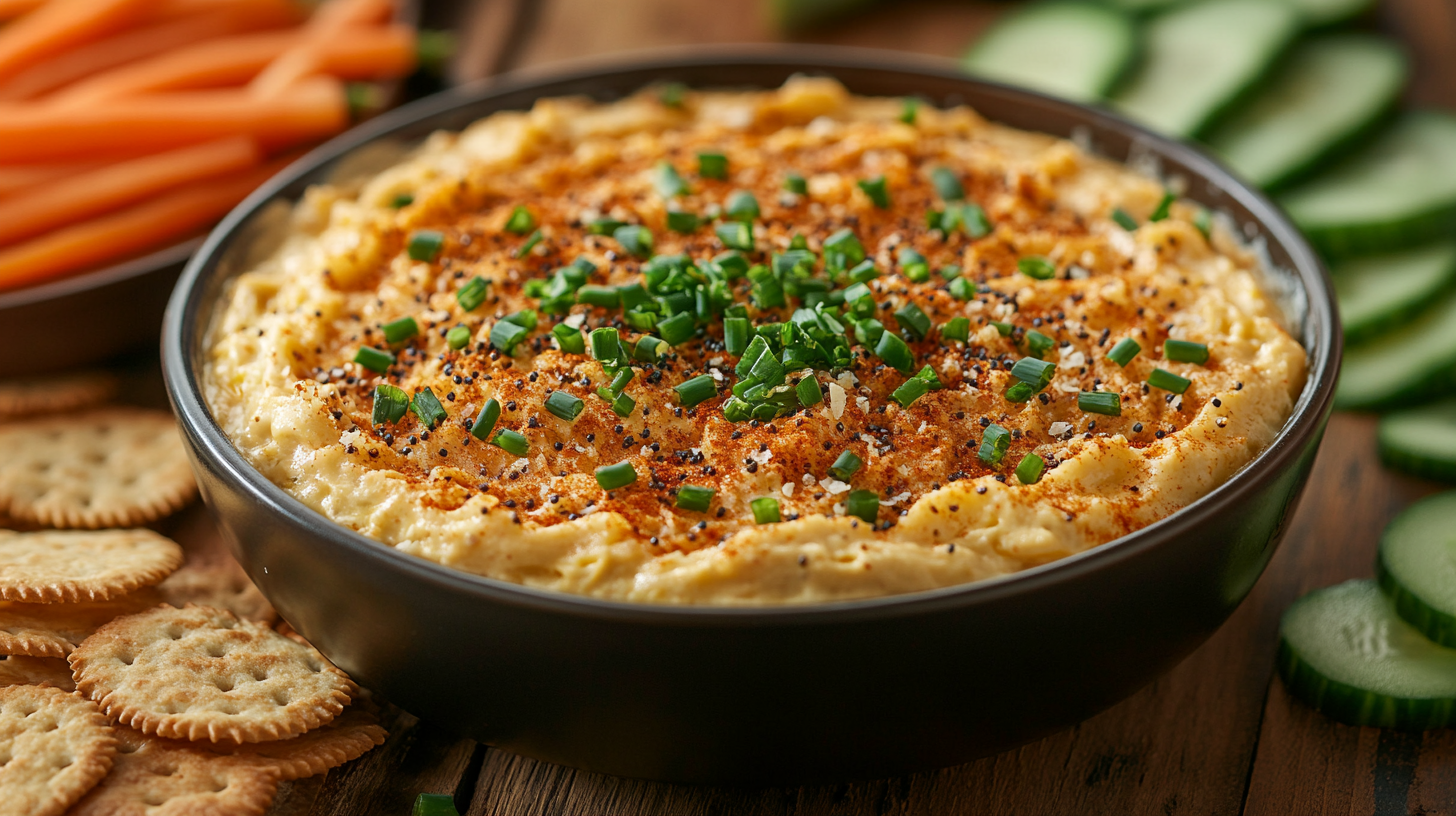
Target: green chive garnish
[
  {"x": 695, "y": 498},
  {"x": 1124, "y": 220},
  {"x": 736, "y": 331},
  {"x": 472, "y": 294},
  {"x": 795, "y": 183},
  {"x": 863, "y": 504},
  {"x": 741, "y": 206},
  {"x": 521, "y": 221},
  {"x": 876, "y": 189},
  {"x": 845, "y": 243},
  {"x": 765, "y": 510},
  {"x": 667, "y": 181},
  {"x": 505, "y": 336},
  {"x": 895, "y": 353},
  {"x": 648, "y": 349},
  {"x": 425, "y": 245},
  {"x": 605, "y": 345},
  {"x": 867, "y": 332},
  {"x": 672, "y": 94},
  {"x": 913, "y": 320},
  {"x": 1038, "y": 343},
  {"x": 622, "y": 406},
  {"x": 611, "y": 477},
  {"x": 1204, "y": 222},
  {"x": 458, "y": 337},
  {"x": 845, "y": 466},
  {"x": 947, "y": 184},
  {"x": 1038, "y": 268},
  {"x": 427, "y": 407},
  {"x": 957, "y": 328},
  {"x": 961, "y": 289},
  {"x": 1030, "y": 469},
  {"x": 974, "y": 221},
  {"x": 525, "y": 318},
  {"x": 1168, "y": 381},
  {"x": 909, "y": 391},
  {"x": 684, "y": 222},
  {"x": 1122, "y": 353},
  {"x": 400, "y": 330},
  {"x": 374, "y": 359},
  {"x": 699, "y": 389},
  {"x": 1165, "y": 207},
  {"x": 401, "y": 200},
  {"x": 950, "y": 271},
  {"x": 531, "y": 241},
  {"x": 604, "y": 226},
  {"x": 512, "y": 442},
  {"x": 485, "y": 423},
  {"x": 713, "y": 165},
  {"x": 390, "y": 403},
  {"x": 608, "y": 297},
  {"x": 735, "y": 235},
  {"x": 635, "y": 239},
  {"x": 864, "y": 271},
  {"x": 564, "y": 405},
  {"x": 1020, "y": 392},
  {"x": 994, "y": 445},
  {"x": 1003, "y": 328},
  {"x": 808, "y": 392},
  {"x": 1035, "y": 373},
  {"x": 1182, "y": 351},
  {"x": 1100, "y": 402},
  {"x": 909, "y": 107},
  {"x": 677, "y": 329}
]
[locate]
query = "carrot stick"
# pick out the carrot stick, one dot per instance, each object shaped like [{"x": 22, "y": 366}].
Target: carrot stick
[
  {"x": 90, "y": 194},
  {"x": 365, "y": 53},
  {"x": 128, "y": 233},
  {"x": 328, "y": 23},
  {"x": 22, "y": 177},
  {"x": 282, "y": 12},
  {"x": 10, "y": 9},
  {"x": 313, "y": 109},
  {"x": 63, "y": 24}
]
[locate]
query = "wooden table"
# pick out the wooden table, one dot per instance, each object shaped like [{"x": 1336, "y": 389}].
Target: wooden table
[{"x": 1217, "y": 735}]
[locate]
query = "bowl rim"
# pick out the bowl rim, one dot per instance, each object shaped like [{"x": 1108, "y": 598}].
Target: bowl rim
[{"x": 1311, "y": 411}]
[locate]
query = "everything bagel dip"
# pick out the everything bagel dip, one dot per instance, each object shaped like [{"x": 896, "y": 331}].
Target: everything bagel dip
[{"x": 750, "y": 348}]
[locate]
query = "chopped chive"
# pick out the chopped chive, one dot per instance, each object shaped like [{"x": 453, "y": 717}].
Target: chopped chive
[
  {"x": 1124, "y": 220},
  {"x": 877, "y": 191},
  {"x": 672, "y": 94},
  {"x": 604, "y": 226},
  {"x": 867, "y": 332},
  {"x": 1100, "y": 402},
  {"x": 531, "y": 241},
  {"x": 795, "y": 183},
  {"x": 605, "y": 296},
  {"x": 472, "y": 294},
  {"x": 1165, "y": 207},
  {"x": 741, "y": 206},
  {"x": 637, "y": 240},
  {"x": 1038, "y": 344},
  {"x": 485, "y": 423},
  {"x": 425, "y": 245},
  {"x": 390, "y": 403},
  {"x": 863, "y": 504},
  {"x": 913, "y": 320},
  {"x": 845, "y": 466},
  {"x": 961, "y": 289},
  {"x": 684, "y": 222},
  {"x": 735, "y": 235},
  {"x": 712, "y": 165},
  {"x": 374, "y": 359},
  {"x": 765, "y": 510},
  {"x": 1038, "y": 268},
  {"x": 458, "y": 337},
  {"x": 695, "y": 498},
  {"x": 947, "y": 184},
  {"x": 1168, "y": 381},
  {"x": 605, "y": 345},
  {"x": 622, "y": 406},
  {"x": 974, "y": 221},
  {"x": 401, "y": 200},
  {"x": 1020, "y": 392},
  {"x": 1204, "y": 222},
  {"x": 909, "y": 391},
  {"x": 1035, "y": 373},
  {"x": 512, "y": 442},
  {"x": 668, "y": 182},
  {"x": 808, "y": 392},
  {"x": 736, "y": 331},
  {"x": 950, "y": 271},
  {"x": 909, "y": 108},
  {"x": 846, "y": 243},
  {"x": 994, "y": 445},
  {"x": 1003, "y": 328},
  {"x": 648, "y": 349},
  {"x": 677, "y": 329},
  {"x": 864, "y": 271},
  {"x": 400, "y": 330},
  {"x": 427, "y": 407},
  {"x": 564, "y": 405},
  {"x": 434, "y": 804},
  {"x": 757, "y": 347},
  {"x": 699, "y": 389},
  {"x": 505, "y": 336},
  {"x": 521, "y": 221},
  {"x": 620, "y": 379},
  {"x": 1030, "y": 469},
  {"x": 957, "y": 328},
  {"x": 1122, "y": 353},
  {"x": 525, "y": 318},
  {"x": 916, "y": 272},
  {"x": 1183, "y": 351},
  {"x": 895, "y": 353}
]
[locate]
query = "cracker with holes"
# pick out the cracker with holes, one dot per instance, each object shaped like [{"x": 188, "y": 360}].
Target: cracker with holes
[
  {"x": 112, "y": 467},
  {"x": 54, "y": 747},
  {"x": 158, "y": 777},
  {"x": 20, "y": 670},
  {"x": 200, "y": 673},
  {"x": 217, "y": 582},
  {"x": 348, "y": 737},
  {"x": 53, "y": 630},
  {"x": 56, "y": 393},
  {"x": 52, "y": 566}
]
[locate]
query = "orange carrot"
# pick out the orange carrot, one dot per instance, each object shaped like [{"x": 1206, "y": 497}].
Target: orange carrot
[
  {"x": 282, "y": 12},
  {"x": 328, "y": 23},
  {"x": 310, "y": 110},
  {"x": 87, "y": 195},
  {"x": 19, "y": 178},
  {"x": 366, "y": 53},
  {"x": 60, "y": 25},
  {"x": 10, "y": 9},
  {"x": 150, "y": 225}
]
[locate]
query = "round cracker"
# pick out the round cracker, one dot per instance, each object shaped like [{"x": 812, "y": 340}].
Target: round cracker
[
  {"x": 201, "y": 673},
  {"x": 21, "y": 670},
  {"x": 53, "y": 630},
  {"x": 158, "y": 777},
  {"x": 346, "y": 738},
  {"x": 112, "y": 467},
  {"x": 52, "y": 566},
  {"x": 221, "y": 583},
  {"x": 54, "y": 747},
  {"x": 55, "y": 393}
]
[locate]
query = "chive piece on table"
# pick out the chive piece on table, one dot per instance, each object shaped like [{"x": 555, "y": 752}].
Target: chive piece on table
[
  {"x": 947, "y": 184},
  {"x": 1124, "y": 220},
  {"x": 845, "y": 466},
  {"x": 735, "y": 235},
  {"x": 1035, "y": 373},
  {"x": 808, "y": 392},
  {"x": 611, "y": 477},
  {"x": 863, "y": 504},
  {"x": 428, "y": 408},
  {"x": 425, "y": 245},
  {"x": 458, "y": 337},
  {"x": 713, "y": 165},
  {"x": 472, "y": 294},
  {"x": 485, "y": 423},
  {"x": 521, "y": 221},
  {"x": 909, "y": 391},
  {"x": 637, "y": 240},
  {"x": 994, "y": 444},
  {"x": 1030, "y": 469},
  {"x": 1100, "y": 402},
  {"x": 1037, "y": 268},
  {"x": 765, "y": 510},
  {"x": 1183, "y": 351},
  {"x": 400, "y": 330},
  {"x": 699, "y": 389},
  {"x": 512, "y": 442},
  {"x": 1168, "y": 381},
  {"x": 390, "y": 403},
  {"x": 684, "y": 222},
  {"x": 434, "y": 804},
  {"x": 695, "y": 498},
  {"x": 1125, "y": 350},
  {"x": 564, "y": 405},
  {"x": 531, "y": 241},
  {"x": 505, "y": 335},
  {"x": 374, "y": 359},
  {"x": 957, "y": 328},
  {"x": 795, "y": 183},
  {"x": 895, "y": 353},
  {"x": 877, "y": 190}
]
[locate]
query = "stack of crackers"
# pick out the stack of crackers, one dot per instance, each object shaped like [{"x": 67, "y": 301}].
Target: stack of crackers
[{"x": 136, "y": 678}]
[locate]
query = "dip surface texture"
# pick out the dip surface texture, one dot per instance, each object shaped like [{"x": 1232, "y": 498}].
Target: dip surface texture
[{"x": 282, "y": 380}]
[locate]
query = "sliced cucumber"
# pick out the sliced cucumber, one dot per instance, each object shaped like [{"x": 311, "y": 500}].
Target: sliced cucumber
[
  {"x": 1345, "y": 651},
  {"x": 1069, "y": 49},
  {"x": 1412, "y": 363},
  {"x": 1381, "y": 291},
  {"x": 1396, "y": 192},
  {"x": 1330, "y": 91},
  {"x": 1421, "y": 441},
  {"x": 1202, "y": 59},
  {"x": 1416, "y": 564}
]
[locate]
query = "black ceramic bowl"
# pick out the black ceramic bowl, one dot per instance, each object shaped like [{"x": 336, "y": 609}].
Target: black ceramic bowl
[{"x": 835, "y": 691}]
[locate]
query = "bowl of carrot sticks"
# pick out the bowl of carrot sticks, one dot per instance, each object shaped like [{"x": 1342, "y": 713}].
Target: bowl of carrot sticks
[{"x": 129, "y": 127}]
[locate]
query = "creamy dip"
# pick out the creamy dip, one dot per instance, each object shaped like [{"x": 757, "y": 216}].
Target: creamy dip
[{"x": 944, "y": 493}]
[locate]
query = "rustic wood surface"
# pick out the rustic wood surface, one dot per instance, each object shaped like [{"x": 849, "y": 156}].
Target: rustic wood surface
[{"x": 1217, "y": 735}]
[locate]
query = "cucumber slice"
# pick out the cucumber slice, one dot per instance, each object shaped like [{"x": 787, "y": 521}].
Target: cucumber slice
[
  {"x": 1403, "y": 366},
  {"x": 1421, "y": 441},
  {"x": 1202, "y": 59},
  {"x": 1330, "y": 91},
  {"x": 1073, "y": 50},
  {"x": 1396, "y": 192},
  {"x": 1345, "y": 651},
  {"x": 1416, "y": 563},
  {"x": 1380, "y": 291}
]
